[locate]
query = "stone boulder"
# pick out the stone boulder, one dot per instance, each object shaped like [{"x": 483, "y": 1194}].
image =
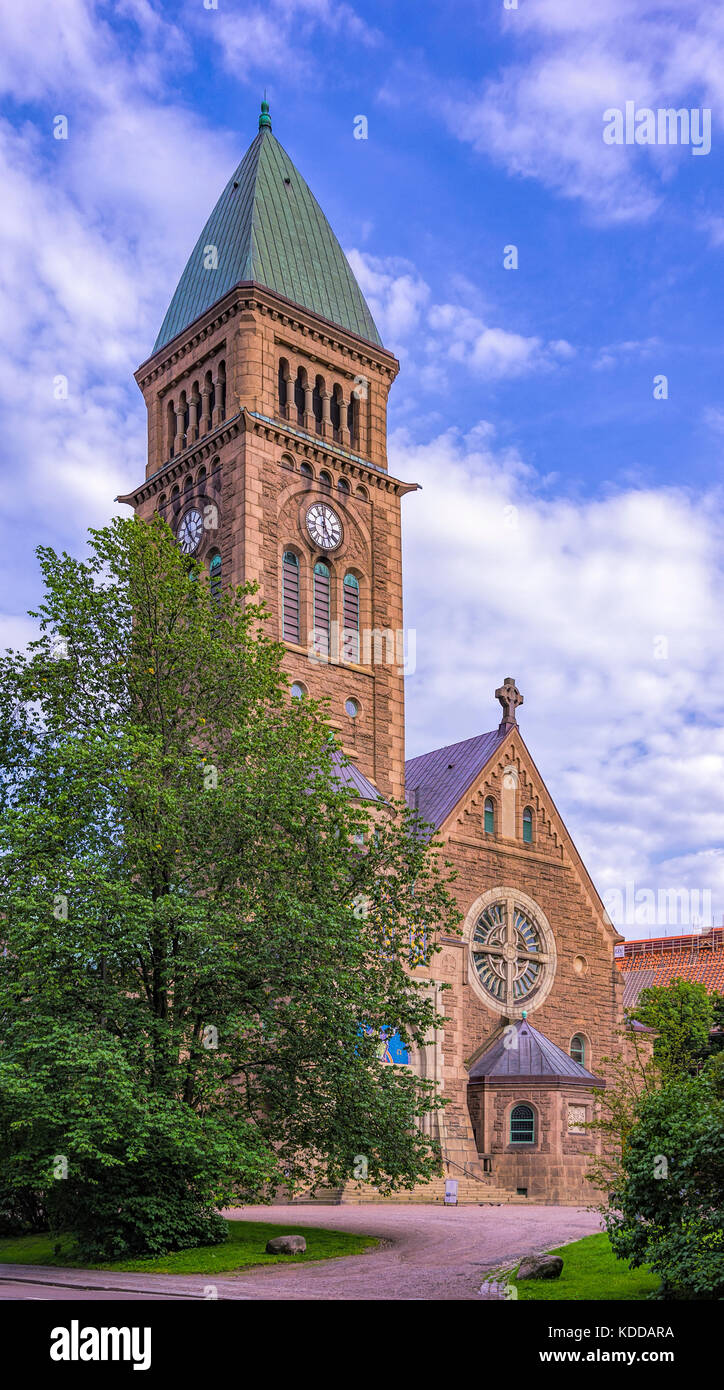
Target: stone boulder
[
  {"x": 286, "y": 1245},
  {"x": 540, "y": 1267}
]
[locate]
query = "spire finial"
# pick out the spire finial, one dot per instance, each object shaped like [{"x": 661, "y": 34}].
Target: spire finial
[
  {"x": 510, "y": 698},
  {"x": 265, "y": 118}
]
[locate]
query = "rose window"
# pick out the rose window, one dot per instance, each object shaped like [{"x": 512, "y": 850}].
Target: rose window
[{"x": 509, "y": 953}]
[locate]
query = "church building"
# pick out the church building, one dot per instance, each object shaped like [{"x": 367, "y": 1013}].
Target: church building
[{"x": 266, "y": 393}]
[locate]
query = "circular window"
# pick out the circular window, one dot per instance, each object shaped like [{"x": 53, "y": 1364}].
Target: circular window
[
  {"x": 298, "y": 690},
  {"x": 580, "y": 965},
  {"x": 512, "y": 951},
  {"x": 352, "y": 708}
]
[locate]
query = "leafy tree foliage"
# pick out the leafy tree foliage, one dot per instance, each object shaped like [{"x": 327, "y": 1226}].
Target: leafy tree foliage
[
  {"x": 683, "y": 1014},
  {"x": 667, "y": 1209},
  {"x": 204, "y": 931}
]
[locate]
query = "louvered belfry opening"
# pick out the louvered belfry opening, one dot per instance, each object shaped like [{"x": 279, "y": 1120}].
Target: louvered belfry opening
[
  {"x": 351, "y": 617},
  {"x": 290, "y": 597},
  {"x": 322, "y": 608}
]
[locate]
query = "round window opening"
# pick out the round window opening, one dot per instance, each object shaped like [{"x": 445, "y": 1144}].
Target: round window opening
[
  {"x": 510, "y": 953},
  {"x": 352, "y": 708},
  {"x": 298, "y": 690}
]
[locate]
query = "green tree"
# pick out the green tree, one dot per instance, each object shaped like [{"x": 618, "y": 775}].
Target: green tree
[
  {"x": 683, "y": 1014},
  {"x": 205, "y": 932},
  {"x": 667, "y": 1207}
]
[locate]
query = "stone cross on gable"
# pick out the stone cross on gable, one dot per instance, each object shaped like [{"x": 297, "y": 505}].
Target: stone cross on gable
[{"x": 510, "y": 697}]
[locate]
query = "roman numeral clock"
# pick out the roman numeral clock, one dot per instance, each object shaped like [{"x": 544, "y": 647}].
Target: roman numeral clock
[
  {"x": 190, "y": 531},
  {"x": 324, "y": 526}
]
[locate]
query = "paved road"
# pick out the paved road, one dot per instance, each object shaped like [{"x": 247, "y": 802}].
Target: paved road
[{"x": 429, "y": 1252}]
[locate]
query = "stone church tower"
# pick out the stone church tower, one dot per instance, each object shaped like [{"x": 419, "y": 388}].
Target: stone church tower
[
  {"x": 267, "y": 446},
  {"x": 266, "y": 394}
]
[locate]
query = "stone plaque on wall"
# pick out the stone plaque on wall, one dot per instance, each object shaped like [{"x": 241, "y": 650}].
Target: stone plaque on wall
[{"x": 576, "y": 1119}]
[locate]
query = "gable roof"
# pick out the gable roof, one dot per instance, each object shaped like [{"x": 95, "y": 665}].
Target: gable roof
[
  {"x": 269, "y": 229},
  {"x": 435, "y": 782},
  {"x": 532, "y": 1057}
]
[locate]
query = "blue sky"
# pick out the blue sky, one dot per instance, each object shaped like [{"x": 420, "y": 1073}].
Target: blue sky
[{"x": 569, "y": 531}]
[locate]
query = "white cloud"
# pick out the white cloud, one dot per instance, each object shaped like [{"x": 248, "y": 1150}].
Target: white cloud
[
  {"x": 400, "y": 303},
  {"x": 395, "y": 292},
  {"x": 278, "y": 37},
  {"x": 613, "y": 353},
  {"x": 541, "y": 116},
  {"x": 607, "y": 613}
]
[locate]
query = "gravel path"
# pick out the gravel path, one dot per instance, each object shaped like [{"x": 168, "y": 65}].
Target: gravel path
[{"x": 429, "y": 1252}]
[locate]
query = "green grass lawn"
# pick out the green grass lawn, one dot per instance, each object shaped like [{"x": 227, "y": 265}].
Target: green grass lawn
[
  {"x": 245, "y": 1247},
  {"x": 590, "y": 1270}
]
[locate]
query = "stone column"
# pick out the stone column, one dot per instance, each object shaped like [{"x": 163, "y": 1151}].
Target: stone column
[
  {"x": 205, "y": 424},
  {"x": 326, "y": 416},
  {"x": 178, "y": 442},
  {"x": 308, "y": 422},
  {"x": 219, "y": 411},
  {"x": 289, "y": 392},
  {"x": 343, "y": 431},
  {"x": 194, "y": 404}
]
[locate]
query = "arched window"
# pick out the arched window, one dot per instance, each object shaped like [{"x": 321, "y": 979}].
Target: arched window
[
  {"x": 317, "y": 403},
  {"x": 578, "y": 1048},
  {"x": 222, "y": 390},
  {"x": 351, "y": 617},
  {"x": 334, "y": 410},
  {"x": 325, "y": 478},
  {"x": 171, "y": 427},
  {"x": 290, "y": 597},
  {"x": 489, "y": 816},
  {"x": 362, "y": 492},
  {"x": 352, "y": 419},
  {"x": 283, "y": 370},
  {"x": 343, "y": 485},
  {"x": 322, "y": 612},
  {"x": 522, "y": 1125},
  {"x": 298, "y": 690},
  {"x": 215, "y": 574},
  {"x": 528, "y": 825},
  {"x": 209, "y": 381},
  {"x": 299, "y": 394},
  {"x": 306, "y": 470}
]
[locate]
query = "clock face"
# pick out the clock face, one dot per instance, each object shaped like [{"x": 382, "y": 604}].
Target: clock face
[
  {"x": 190, "y": 531},
  {"x": 324, "y": 526}
]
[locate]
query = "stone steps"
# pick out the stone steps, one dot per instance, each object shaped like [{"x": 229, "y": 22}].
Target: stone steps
[{"x": 470, "y": 1193}]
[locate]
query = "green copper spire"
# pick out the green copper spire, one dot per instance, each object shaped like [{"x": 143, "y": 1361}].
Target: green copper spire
[{"x": 268, "y": 228}]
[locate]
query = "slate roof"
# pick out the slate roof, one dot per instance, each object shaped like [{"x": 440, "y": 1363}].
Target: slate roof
[
  {"x": 535, "y": 1058},
  {"x": 349, "y": 775},
  {"x": 435, "y": 782},
  {"x": 269, "y": 229}
]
